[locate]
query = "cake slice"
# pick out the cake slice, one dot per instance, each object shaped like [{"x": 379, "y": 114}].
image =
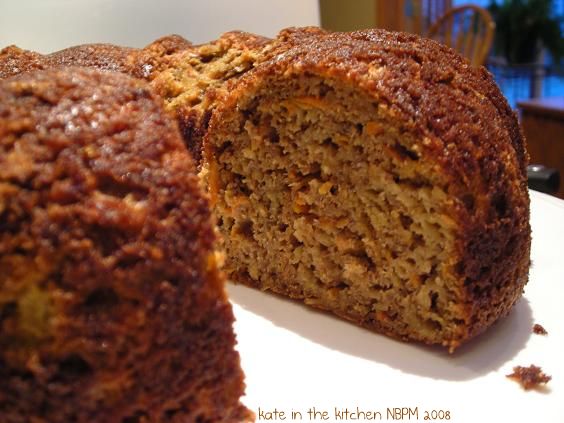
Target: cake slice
[
  {"x": 112, "y": 306},
  {"x": 375, "y": 175},
  {"x": 372, "y": 174}
]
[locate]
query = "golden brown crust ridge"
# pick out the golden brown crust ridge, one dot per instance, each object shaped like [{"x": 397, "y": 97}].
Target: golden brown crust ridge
[
  {"x": 141, "y": 63},
  {"x": 192, "y": 80},
  {"x": 111, "y": 306},
  {"x": 155, "y": 57},
  {"x": 185, "y": 76},
  {"x": 107, "y": 57},
  {"x": 14, "y": 60}
]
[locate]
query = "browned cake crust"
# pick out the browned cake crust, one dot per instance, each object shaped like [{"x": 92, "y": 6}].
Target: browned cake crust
[
  {"x": 189, "y": 78},
  {"x": 193, "y": 79},
  {"x": 14, "y": 60},
  {"x": 155, "y": 57},
  {"x": 112, "y": 308},
  {"x": 161, "y": 56},
  {"x": 408, "y": 164},
  {"x": 105, "y": 57}
]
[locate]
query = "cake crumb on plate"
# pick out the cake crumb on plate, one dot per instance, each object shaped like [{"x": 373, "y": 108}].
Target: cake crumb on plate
[
  {"x": 539, "y": 330},
  {"x": 529, "y": 377}
]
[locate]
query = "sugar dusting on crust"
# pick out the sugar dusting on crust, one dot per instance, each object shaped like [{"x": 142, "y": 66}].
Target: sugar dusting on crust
[{"x": 410, "y": 120}]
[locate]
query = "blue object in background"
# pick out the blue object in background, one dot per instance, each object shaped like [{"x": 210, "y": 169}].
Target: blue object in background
[{"x": 515, "y": 83}]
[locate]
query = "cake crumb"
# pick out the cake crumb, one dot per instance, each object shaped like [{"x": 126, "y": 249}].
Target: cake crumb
[
  {"x": 529, "y": 377},
  {"x": 539, "y": 330}
]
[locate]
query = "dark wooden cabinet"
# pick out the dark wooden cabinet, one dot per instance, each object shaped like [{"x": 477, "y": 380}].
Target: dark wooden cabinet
[{"x": 543, "y": 123}]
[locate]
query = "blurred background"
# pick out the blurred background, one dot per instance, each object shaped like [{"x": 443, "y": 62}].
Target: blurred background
[
  {"x": 48, "y": 25},
  {"x": 520, "y": 41},
  {"x": 524, "y": 50}
]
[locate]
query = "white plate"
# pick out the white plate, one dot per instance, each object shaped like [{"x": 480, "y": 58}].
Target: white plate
[{"x": 301, "y": 361}]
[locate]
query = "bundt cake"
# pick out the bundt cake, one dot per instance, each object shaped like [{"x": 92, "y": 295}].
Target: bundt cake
[
  {"x": 112, "y": 308},
  {"x": 378, "y": 176},
  {"x": 372, "y": 174}
]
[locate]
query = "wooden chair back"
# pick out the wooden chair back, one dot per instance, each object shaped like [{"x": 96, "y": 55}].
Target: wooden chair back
[
  {"x": 468, "y": 29},
  {"x": 415, "y": 16}
]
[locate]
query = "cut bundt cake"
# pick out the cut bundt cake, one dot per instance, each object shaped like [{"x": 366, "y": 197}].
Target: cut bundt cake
[
  {"x": 375, "y": 175},
  {"x": 112, "y": 307}
]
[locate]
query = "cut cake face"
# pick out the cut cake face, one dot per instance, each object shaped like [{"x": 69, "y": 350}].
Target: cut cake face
[{"x": 375, "y": 175}]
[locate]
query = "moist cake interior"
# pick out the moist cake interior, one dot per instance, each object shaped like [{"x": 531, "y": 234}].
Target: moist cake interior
[{"x": 322, "y": 196}]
